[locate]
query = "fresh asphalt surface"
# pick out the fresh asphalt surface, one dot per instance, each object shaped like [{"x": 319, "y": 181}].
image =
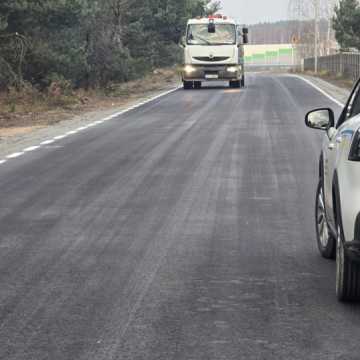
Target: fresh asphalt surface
[{"x": 183, "y": 229}]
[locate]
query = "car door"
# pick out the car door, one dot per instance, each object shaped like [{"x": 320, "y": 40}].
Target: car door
[{"x": 333, "y": 145}]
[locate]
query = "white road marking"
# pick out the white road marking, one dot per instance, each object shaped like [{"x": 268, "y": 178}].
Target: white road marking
[
  {"x": 337, "y": 102},
  {"x": 53, "y": 147},
  {"x": 32, "y": 148},
  {"x": 95, "y": 123},
  {"x": 47, "y": 142},
  {"x": 15, "y": 155},
  {"x": 60, "y": 137}
]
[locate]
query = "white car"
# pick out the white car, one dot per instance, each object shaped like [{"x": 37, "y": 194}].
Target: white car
[{"x": 338, "y": 195}]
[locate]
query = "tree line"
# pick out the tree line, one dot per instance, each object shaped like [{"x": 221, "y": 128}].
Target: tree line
[
  {"x": 90, "y": 43},
  {"x": 346, "y": 24},
  {"x": 343, "y": 17}
]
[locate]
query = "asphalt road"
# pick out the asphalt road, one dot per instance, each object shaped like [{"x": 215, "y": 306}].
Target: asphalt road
[{"x": 181, "y": 230}]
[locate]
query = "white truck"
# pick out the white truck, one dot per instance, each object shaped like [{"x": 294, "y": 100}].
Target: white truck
[{"x": 214, "y": 51}]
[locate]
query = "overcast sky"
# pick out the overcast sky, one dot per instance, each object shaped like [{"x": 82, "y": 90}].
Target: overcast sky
[{"x": 254, "y": 11}]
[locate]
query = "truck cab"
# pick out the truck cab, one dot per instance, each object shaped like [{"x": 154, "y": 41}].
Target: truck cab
[{"x": 214, "y": 51}]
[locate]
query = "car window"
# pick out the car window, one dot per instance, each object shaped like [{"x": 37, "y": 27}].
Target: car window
[
  {"x": 355, "y": 107},
  {"x": 352, "y": 107}
]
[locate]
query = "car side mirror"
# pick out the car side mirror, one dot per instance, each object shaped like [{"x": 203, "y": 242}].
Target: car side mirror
[{"x": 320, "y": 119}]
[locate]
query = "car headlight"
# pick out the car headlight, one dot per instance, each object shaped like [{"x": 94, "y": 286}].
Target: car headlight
[
  {"x": 189, "y": 69},
  {"x": 233, "y": 69}
]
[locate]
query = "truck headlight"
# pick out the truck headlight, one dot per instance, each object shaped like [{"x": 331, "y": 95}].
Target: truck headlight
[
  {"x": 233, "y": 69},
  {"x": 189, "y": 69}
]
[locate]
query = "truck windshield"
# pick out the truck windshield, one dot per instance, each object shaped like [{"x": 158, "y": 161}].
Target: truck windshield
[{"x": 225, "y": 34}]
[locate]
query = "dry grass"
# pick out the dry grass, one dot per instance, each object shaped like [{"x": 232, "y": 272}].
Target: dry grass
[
  {"x": 338, "y": 80},
  {"x": 30, "y": 108}
]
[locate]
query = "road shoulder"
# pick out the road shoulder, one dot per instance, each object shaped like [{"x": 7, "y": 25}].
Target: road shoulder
[
  {"x": 32, "y": 136},
  {"x": 340, "y": 94}
]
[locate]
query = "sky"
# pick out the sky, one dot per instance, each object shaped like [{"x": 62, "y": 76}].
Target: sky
[{"x": 254, "y": 11}]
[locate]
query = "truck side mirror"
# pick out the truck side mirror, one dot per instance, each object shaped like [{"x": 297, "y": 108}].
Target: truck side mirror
[
  {"x": 245, "y": 32},
  {"x": 182, "y": 42}
]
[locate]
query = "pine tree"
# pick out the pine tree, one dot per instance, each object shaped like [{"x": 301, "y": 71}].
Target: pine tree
[
  {"x": 90, "y": 42},
  {"x": 346, "y": 24}
]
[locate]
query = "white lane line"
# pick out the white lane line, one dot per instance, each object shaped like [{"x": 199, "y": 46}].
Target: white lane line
[
  {"x": 95, "y": 123},
  {"x": 60, "y": 137},
  {"x": 337, "y": 102},
  {"x": 136, "y": 106},
  {"x": 15, "y": 155},
  {"x": 47, "y": 142},
  {"x": 31, "y": 148}
]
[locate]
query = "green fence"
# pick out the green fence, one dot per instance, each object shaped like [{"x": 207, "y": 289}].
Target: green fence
[{"x": 281, "y": 56}]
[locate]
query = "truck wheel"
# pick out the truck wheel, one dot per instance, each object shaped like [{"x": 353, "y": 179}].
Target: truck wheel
[
  {"x": 187, "y": 85},
  {"x": 325, "y": 240},
  {"x": 197, "y": 84}
]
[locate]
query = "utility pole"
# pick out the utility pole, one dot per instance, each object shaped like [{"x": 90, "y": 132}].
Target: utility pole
[{"x": 316, "y": 42}]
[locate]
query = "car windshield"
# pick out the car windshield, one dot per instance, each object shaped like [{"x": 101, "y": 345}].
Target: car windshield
[{"x": 225, "y": 34}]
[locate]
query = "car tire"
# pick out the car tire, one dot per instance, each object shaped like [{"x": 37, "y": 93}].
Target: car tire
[
  {"x": 325, "y": 240},
  {"x": 187, "y": 85},
  {"x": 347, "y": 270},
  {"x": 347, "y": 273},
  {"x": 197, "y": 84}
]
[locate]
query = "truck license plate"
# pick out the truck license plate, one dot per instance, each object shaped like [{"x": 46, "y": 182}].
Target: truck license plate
[{"x": 211, "y": 76}]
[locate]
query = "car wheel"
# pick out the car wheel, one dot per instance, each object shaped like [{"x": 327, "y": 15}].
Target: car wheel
[
  {"x": 188, "y": 85},
  {"x": 347, "y": 273},
  {"x": 197, "y": 84},
  {"x": 325, "y": 240}
]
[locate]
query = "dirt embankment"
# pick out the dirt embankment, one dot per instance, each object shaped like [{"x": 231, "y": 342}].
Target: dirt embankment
[
  {"x": 25, "y": 111},
  {"x": 337, "y": 80}
]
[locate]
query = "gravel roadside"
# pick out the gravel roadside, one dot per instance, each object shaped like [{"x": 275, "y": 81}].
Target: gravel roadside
[{"x": 35, "y": 135}]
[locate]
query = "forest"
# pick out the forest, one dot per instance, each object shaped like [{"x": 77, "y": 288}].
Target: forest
[{"x": 90, "y": 43}]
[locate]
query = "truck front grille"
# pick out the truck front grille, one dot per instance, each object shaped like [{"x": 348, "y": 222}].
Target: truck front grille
[{"x": 211, "y": 59}]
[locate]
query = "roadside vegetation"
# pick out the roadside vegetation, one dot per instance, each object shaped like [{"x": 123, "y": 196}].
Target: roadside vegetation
[
  {"x": 33, "y": 108},
  {"x": 338, "y": 80},
  {"x": 58, "y": 53},
  {"x": 346, "y": 23}
]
